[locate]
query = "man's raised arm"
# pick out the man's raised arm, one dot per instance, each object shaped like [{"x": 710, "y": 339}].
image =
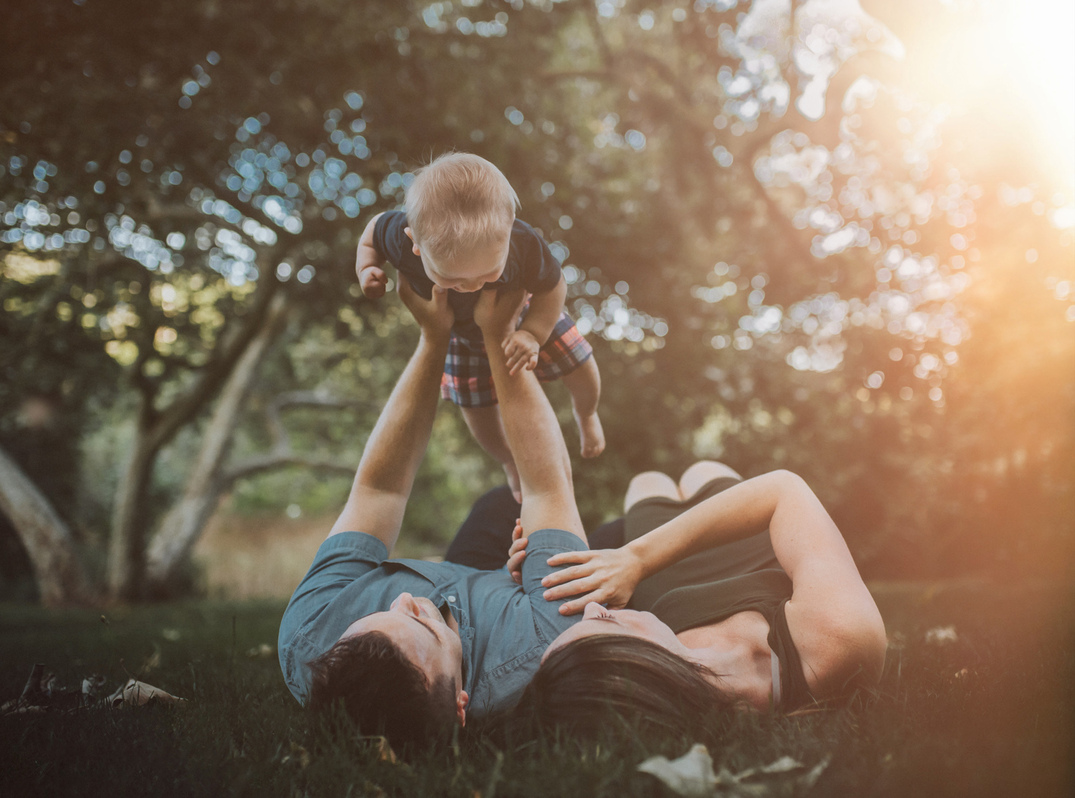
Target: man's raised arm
[
  {"x": 530, "y": 426},
  {"x": 398, "y": 442}
]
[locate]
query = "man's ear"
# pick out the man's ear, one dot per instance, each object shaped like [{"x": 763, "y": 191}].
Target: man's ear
[
  {"x": 414, "y": 244},
  {"x": 461, "y": 702}
]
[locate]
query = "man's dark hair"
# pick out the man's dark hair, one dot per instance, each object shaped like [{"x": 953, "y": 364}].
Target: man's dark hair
[
  {"x": 383, "y": 692},
  {"x": 604, "y": 683}
]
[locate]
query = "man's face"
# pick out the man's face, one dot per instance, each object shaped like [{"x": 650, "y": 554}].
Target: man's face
[{"x": 416, "y": 626}]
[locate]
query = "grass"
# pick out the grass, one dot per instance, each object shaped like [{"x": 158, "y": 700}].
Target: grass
[{"x": 988, "y": 713}]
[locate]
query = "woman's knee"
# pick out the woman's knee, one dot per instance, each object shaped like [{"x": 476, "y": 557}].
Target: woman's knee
[
  {"x": 650, "y": 484},
  {"x": 701, "y": 474}
]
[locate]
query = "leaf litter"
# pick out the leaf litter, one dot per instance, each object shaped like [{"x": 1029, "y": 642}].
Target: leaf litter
[
  {"x": 692, "y": 775},
  {"x": 42, "y": 694}
]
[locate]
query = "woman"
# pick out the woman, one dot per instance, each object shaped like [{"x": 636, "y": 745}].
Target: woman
[{"x": 741, "y": 593}]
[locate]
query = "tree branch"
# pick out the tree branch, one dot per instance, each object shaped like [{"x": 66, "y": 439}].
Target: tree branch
[
  {"x": 277, "y": 430},
  {"x": 187, "y": 517},
  {"x": 221, "y": 362},
  {"x": 273, "y": 460}
]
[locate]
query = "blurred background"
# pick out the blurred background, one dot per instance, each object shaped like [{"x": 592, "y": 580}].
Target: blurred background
[{"x": 831, "y": 236}]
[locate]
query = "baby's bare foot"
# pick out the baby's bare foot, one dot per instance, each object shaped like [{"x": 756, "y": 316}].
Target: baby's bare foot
[
  {"x": 512, "y": 473},
  {"x": 592, "y": 434}
]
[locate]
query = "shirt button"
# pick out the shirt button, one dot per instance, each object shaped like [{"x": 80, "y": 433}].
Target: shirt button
[{"x": 451, "y": 599}]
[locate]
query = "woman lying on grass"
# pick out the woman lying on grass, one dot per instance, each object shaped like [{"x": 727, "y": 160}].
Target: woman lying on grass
[{"x": 739, "y": 594}]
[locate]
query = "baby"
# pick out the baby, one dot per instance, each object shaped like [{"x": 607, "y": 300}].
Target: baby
[{"x": 459, "y": 233}]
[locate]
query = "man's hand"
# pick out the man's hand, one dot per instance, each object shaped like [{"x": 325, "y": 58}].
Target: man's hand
[
  {"x": 435, "y": 316},
  {"x": 521, "y": 350},
  {"x": 496, "y": 312},
  {"x": 607, "y": 576},
  {"x": 373, "y": 281}
]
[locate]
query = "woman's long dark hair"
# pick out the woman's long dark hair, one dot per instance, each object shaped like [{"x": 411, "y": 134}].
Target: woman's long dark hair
[{"x": 603, "y": 683}]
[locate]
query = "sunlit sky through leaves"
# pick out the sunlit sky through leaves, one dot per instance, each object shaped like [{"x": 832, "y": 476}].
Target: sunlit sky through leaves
[{"x": 990, "y": 83}]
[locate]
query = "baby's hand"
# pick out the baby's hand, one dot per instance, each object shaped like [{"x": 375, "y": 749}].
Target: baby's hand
[
  {"x": 517, "y": 553},
  {"x": 373, "y": 282},
  {"x": 521, "y": 350}
]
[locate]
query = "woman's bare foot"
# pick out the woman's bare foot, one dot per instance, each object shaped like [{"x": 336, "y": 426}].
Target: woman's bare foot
[
  {"x": 592, "y": 434},
  {"x": 512, "y": 473}
]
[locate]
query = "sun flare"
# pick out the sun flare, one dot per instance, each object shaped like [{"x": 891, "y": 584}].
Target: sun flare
[{"x": 1013, "y": 65}]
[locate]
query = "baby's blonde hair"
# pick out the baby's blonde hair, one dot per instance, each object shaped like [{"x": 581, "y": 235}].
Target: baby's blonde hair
[{"x": 458, "y": 204}]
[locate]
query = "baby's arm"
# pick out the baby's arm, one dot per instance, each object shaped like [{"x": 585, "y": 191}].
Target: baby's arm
[
  {"x": 368, "y": 264},
  {"x": 521, "y": 347}
]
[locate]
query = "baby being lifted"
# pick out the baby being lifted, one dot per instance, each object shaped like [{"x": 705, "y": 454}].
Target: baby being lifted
[{"x": 459, "y": 233}]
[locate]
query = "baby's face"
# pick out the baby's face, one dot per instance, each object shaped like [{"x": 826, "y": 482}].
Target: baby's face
[{"x": 470, "y": 272}]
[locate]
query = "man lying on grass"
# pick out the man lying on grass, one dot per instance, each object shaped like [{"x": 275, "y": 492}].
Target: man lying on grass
[{"x": 409, "y": 647}]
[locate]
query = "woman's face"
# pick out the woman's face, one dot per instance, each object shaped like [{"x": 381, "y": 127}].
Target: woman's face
[{"x": 596, "y": 620}]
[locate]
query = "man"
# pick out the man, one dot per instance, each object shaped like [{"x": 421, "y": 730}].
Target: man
[{"x": 409, "y": 647}]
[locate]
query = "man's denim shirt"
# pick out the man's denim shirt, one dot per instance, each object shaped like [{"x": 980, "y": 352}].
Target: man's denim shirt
[{"x": 504, "y": 627}]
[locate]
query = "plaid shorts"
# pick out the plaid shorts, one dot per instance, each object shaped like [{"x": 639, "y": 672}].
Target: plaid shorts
[{"x": 468, "y": 379}]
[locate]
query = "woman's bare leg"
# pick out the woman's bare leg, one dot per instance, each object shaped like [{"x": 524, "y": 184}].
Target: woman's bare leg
[
  {"x": 488, "y": 430},
  {"x": 647, "y": 485},
  {"x": 701, "y": 474},
  {"x": 584, "y": 385}
]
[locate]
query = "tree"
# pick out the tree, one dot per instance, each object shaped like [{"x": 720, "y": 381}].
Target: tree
[
  {"x": 779, "y": 246},
  {"x": 160, "y": 242}
]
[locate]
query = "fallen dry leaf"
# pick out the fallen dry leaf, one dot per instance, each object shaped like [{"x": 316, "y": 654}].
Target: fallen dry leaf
[
  {"x": 42, "y": 693},
  {"x": 91, "y": 686},
  {"x": 299, "y": 755},
  {"x": 692, "y": 775},
  {"x": 136, "y": 694},
  {"x": 152, "y": 662},
  {"x": 384, "y": 750},
  {"x": 941, "y": 635}
]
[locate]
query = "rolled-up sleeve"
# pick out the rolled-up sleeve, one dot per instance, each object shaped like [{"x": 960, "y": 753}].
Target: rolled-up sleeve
[
  {"x": 339, "y": 561},
  {"x": 544, "y": 544}
]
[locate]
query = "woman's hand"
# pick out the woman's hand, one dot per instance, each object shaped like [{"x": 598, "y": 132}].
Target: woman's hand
[
  {"x": 434, "y": 315},
  {"x": 517, "y": 553},
  {"x": 607, "y": 576}
]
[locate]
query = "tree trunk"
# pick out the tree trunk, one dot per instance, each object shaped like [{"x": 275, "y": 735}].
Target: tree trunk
[
  {"x": 60, "y": 576},
  {"x": 155, "y": 428},
  {"x": 126, "y": 554},
  {"x": 183, "y": 524}
]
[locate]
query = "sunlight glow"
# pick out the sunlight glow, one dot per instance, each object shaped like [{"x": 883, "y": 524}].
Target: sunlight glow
[
  {"x": 1018, "y": 48},
  {"x": 1043, "y": 42}
]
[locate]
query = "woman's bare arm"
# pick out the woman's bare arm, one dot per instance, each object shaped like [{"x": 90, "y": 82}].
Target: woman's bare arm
[{"x": 833, "y": 619}]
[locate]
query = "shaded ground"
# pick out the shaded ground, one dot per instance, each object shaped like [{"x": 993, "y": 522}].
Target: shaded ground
[{"x": 977, "y": 699}]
